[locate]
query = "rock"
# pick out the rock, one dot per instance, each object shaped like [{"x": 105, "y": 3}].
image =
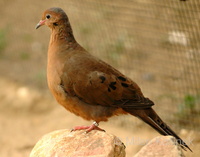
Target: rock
[
  {"x": 63, "y": 143},
  {"x": 161, "y": 146}
]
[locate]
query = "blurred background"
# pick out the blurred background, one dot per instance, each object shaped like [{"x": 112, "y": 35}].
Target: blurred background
[{"x": 154, "y": 42}]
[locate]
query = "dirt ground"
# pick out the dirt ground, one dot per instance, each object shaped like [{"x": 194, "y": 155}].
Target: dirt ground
[
  {"x": 27, "y": 109},
  {"x": 27, "y": 114}
]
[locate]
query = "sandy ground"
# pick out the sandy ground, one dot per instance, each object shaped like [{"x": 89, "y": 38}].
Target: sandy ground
[{"x": 27, "y": 114}]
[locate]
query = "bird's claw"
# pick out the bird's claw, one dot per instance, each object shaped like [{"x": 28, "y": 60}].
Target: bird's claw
[{"x": 94, "y": 126}]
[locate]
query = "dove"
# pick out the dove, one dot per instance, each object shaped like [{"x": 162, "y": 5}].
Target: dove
[{"x": 89, "y": 87}]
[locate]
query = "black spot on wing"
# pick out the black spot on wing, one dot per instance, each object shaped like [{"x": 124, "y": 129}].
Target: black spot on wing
[
  {"x": 109, "y": 90},
  {"x": 112, "y": 85},
  {"x": 121, "y": 78},
  {"x": 124, "y": 84},
  {"x": 63, "y": 87},
  {"x": 102, "y": 79},
  {"x": 55, "y": 24}
]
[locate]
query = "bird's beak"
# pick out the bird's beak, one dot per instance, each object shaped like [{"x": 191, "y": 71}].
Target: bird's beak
[{"x": 42, "y": 22}]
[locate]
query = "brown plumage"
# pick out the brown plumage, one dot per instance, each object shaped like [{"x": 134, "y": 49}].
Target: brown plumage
[{"x": 89, "y": 87}]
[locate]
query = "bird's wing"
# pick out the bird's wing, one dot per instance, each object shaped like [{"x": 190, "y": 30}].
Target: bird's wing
[{"x": 97, "y": 83}]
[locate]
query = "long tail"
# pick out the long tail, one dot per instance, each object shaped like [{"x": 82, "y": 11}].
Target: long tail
[{"x": 150, "y": 117}]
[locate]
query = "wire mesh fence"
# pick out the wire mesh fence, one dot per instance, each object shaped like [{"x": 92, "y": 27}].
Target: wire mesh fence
[{"x": 154, "y": 42}]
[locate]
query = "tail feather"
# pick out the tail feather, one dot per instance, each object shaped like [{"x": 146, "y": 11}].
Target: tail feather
[{"x": 150, "y": 117}]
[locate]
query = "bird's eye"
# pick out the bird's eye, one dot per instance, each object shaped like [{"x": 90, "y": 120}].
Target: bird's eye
[{"x": 48, "y": 16}]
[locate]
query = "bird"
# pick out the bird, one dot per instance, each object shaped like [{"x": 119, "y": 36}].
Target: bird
[{"x": 89, "y": 87}]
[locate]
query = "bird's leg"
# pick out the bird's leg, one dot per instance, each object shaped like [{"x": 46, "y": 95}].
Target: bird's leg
[{"x": 94, "y": 126}]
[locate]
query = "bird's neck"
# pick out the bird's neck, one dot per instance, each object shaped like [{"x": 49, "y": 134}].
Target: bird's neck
[
  {"x": 62, "y": 34},
  {"x": 62, "y": 41}
]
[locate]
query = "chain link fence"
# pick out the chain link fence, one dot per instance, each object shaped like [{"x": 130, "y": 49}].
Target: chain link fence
[{"x": 155, "y": 42}]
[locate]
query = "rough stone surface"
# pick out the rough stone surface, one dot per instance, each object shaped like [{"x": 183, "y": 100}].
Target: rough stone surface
[
  {"x": 63, "y": 143},
  {"x": 161, "y": 146}
]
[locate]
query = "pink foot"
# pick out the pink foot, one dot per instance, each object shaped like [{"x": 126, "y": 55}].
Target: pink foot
[{"x": 94, "y": 126}]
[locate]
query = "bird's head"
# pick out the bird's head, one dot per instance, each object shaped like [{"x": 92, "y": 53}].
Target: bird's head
[{"x": 52, "y": 18}]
